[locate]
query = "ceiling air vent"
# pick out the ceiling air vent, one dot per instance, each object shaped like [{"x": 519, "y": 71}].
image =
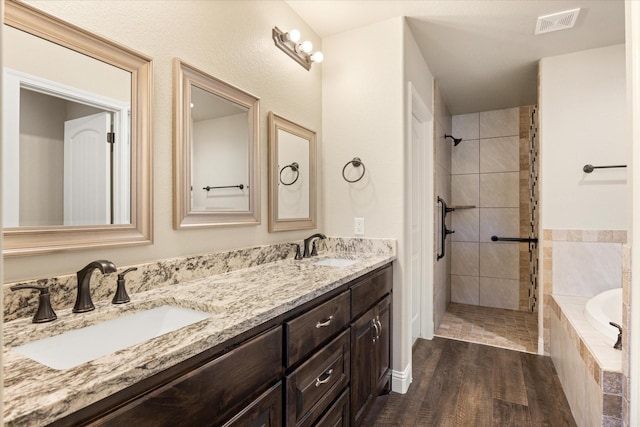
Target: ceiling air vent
[{"x": 556, "y": 21}]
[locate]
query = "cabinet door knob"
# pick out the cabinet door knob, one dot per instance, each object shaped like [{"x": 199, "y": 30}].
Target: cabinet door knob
[
  {"x": 324, "y": 380},
  {"x": 324, "y": 323}
]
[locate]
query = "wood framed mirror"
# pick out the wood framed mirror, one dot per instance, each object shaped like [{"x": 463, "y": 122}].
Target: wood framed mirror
[
  {"x": 66, "y": 187},
  {"x": 216, "y": 151},
  {"x": 292, "y": 175}
]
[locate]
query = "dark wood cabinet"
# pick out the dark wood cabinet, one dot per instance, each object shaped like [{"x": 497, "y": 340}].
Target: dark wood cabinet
[
  {"x": 306, "y": 332},
  {"x": 210, "y": 394},
  {"x": 313, "y": 387},
  {"x": 370, "y": 358},
  {"x": 265, "y": 411},
  {"x": 338, "y": 414},
  {"x": 321, "y": 364}
]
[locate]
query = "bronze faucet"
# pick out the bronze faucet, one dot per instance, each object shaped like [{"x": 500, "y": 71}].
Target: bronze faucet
[
  {"x": 314, "y": 250},
  {"x": 83, "y": 299}
]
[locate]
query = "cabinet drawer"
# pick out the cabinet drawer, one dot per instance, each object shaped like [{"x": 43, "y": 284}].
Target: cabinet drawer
[
  {"x": 212, "y": 393},
  {"x": 366, "y": 292},
  {"x": 338, "y": 414},
  {"x": 315, "y": 384},
  {"x": 309, "y": 330}
]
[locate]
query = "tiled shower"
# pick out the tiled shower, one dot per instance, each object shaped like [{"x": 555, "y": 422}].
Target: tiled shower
[{"x": 493, "y": 192}]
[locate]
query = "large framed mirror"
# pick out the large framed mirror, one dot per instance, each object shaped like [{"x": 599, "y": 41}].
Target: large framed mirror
[
  {"x": 216, "y": 151},
  {"x": 77, "y": 127},
  {"x": 292, "y": 175}
]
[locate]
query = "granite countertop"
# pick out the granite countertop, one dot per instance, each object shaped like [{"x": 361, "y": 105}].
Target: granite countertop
[{"x": 36, "y": 395}]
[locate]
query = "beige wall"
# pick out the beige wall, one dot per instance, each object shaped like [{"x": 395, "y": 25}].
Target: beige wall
[
  {"x": 582, "y": 121},
  {"x": 230, "y": 40},
  {"x": 363, "y": 117}
]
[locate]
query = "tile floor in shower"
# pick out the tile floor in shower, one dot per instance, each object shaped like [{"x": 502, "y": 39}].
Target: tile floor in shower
[{"x": 515, "y": 330}]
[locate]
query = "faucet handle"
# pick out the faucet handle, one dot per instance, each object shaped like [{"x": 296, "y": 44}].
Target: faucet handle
[
  {"x": 121, "y": 295},
  {"x": 298, "y": 253},
  {"x": 314, "y": 248},
  {"x": 44, "y": 313}
]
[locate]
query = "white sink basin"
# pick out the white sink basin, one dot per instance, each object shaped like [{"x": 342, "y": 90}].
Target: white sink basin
[
  {"x": 337, "y": 262},
  {"x": 79, "y": 346}
]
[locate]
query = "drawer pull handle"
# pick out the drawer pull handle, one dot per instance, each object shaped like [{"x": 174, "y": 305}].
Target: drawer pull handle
[
  {"x": 325, "y": 380},
  {"x": 325, "y": 323}
]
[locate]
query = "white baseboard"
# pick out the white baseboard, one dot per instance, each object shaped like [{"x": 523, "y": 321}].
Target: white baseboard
[{"x": 400, "y": 380}]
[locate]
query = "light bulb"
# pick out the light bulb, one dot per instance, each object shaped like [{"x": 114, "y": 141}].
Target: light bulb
[
  {"x": 317, "y": 57},
  {"x": 294, "y": 35},
  {"x": 306, "y": 46}
]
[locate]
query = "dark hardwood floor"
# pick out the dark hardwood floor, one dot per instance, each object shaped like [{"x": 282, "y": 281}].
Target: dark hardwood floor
[{"x": 463, "y": 384}]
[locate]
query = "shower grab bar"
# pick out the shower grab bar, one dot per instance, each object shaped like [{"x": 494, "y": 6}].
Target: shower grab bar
[
  {"x": 514, "y": 239},
  {"x": 240, "y": 186},
  {"x": 444, "y": 231},
  {"x": 590, "y": 168}
]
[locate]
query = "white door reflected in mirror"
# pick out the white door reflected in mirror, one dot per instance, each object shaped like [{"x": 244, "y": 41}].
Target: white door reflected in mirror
[
  {"x": 39, "y": 103},
  {"x": 55, "y": 72}
]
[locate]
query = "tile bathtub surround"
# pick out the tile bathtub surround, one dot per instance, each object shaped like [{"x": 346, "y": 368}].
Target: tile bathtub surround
[
  {"x": 168, "y": 272},
  {"x": 549, "y": 238},
  {"x": 240, "y": 300},
  {"x": 586, "y": 268},
  {"x": 577, "y": 347}
]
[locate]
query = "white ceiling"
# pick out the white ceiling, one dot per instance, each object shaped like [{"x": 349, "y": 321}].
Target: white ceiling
[{"x": 483, "y": 54}]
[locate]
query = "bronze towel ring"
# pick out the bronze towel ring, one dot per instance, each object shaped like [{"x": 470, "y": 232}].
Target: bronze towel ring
[
  {"x": 295, "y": 167},
  {"x": 356, "y": 163}
]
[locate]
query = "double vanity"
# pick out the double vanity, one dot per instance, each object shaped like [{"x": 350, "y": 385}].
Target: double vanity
[{"x": 289, "y": 342}]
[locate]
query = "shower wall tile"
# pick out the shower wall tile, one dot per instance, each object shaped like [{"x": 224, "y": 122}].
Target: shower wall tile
[
  {"x": 586, "y": 268},
  {"x": 465, "y": 158},
  {"x": 500, "y": 123},
  {"x": 465, "y": 190},
  {"x": 466, "y": 223},
  {"x": 499, "y": 293},
  {"x": 486, "y": 173},
  {"x": 465, "y": 258},
  {"x": 466, "y": 126},
  {"x": 465, "y": 289},
  {"x": 504, "y": 222},
  {"x": 499, "y": 190},
  {"x": 499, "y": 154},
  {"x": 500, "y": 260}
]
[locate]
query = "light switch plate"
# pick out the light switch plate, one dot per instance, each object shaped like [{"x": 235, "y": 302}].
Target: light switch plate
[{"x": 358, "y": 226}]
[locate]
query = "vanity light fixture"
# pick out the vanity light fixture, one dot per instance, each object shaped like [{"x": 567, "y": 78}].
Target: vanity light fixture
[{"x": 302, "y": 53}]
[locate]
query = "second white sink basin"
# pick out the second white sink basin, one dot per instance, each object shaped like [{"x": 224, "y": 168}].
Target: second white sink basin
[
  {"x": 337, "y": 262},
  {"x": 78, "y": 346}
]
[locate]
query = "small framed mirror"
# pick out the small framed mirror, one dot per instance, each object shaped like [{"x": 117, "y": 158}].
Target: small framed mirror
[
  {"x": 216, "y": 151},
  {"x": 76, "y": 137},
  {"x": 292, "y": 175}
]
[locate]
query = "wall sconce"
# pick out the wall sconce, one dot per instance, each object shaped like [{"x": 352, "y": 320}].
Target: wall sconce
[{"x": 302, "y": 53}]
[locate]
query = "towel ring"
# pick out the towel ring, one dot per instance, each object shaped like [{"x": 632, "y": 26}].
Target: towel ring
[
  {"x": 356, "y": 163},
  {"x": 295, "y": 167}
]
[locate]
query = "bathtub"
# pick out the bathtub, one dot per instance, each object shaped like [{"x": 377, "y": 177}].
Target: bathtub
[{"x": 604, "y": 308}]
